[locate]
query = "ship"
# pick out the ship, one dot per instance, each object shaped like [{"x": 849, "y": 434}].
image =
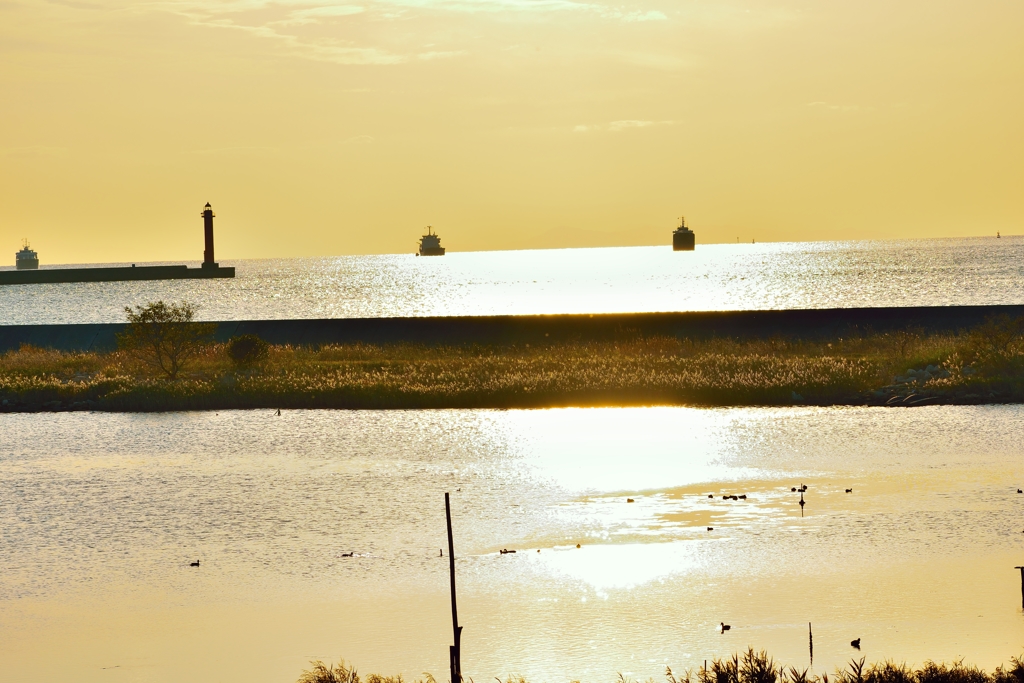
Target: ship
[
  {"x": 683, "y": 239},
  {"x": 430, "y": 244},
  {"x": 26, "y": 259}
]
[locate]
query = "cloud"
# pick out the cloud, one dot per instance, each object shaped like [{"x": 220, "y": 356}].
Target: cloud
[{"x": 617, "y": 126}]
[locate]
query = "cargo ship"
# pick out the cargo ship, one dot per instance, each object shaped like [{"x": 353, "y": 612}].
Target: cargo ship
[
  {"x": 683, "y": 239},
  {"x": 26, "y": 259},
  {"x": 430, "y": 244}
]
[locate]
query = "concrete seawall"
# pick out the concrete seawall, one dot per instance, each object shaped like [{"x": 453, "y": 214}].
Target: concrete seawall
[{"x": 799, "y": 323}]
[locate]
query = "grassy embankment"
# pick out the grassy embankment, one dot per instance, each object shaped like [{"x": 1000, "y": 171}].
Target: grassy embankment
[
  {"x": 985, "y": 365},
  {"x": 750, "y": 667}
]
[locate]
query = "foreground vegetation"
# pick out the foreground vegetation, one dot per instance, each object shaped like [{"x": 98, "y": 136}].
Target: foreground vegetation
[
  {"x": 985, "y": 365},
  {"x": 750, "y": 667}
]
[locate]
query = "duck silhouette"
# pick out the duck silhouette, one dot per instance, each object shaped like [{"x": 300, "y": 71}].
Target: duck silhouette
[
  {"x": 723, "y": 627},
  {"x": 351, "y": 554},
  {"x": 855, "y": 643},
  {"x": 849, "y": 490},
  {"x": 711, "y": 528},
  {"x": 194, "y": 564}
]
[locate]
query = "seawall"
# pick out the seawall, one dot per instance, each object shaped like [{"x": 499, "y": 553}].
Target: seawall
[
  {"x": 798, "y": 323},
  {"x": 115, "y": 274}
]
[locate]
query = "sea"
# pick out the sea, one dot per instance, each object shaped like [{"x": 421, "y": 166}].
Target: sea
[{"x": 321, "y": 534}]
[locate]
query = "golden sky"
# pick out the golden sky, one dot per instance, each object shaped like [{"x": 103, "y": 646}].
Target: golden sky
[{"x": 320, "y": 127}]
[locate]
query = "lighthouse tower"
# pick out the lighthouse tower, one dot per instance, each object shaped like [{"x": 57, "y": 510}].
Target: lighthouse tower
[{"x": 208, "y": 215}]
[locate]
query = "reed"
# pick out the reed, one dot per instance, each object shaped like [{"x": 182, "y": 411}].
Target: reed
[
  {"x": 984, "y": 365},
  {"x": 752, "y": 667}
]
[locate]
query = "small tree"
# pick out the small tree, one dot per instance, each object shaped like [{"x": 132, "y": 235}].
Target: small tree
[{"x": 164, "y": 335}]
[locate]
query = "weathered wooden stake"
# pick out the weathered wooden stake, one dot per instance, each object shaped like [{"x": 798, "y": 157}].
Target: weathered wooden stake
[
  {"x": 810, "y": 642},
  {"x": 455, "y": 651},
  {"x": 1021, "y": 586}
]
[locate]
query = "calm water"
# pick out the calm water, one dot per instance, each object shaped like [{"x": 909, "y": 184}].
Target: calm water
[
  {"x": 714, "y": 277},
  {"x": 102, "y": 513}
]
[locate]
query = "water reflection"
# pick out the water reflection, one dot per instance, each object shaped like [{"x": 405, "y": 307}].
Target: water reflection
[
  {"x": 101, "y": 515},
  {"x": 715, "y": 277}
]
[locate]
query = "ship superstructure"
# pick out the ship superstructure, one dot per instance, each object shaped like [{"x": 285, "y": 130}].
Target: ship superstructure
[
  {"x": 683, "y": 239},
  {"x": 26, "y": 259},
  {"x": 430, "y": 244}
]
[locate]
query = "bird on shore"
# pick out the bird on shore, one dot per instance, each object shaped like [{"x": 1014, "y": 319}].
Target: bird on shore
[
  {"x": 723, "y": 627},
  {"x": 194, "y": 564},
  {"x": 855, "y": 643}
]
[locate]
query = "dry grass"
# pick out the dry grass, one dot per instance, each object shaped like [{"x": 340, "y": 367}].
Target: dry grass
[
  {"x": 984, "y": 365},
  {"x": 751, "y": 667}
]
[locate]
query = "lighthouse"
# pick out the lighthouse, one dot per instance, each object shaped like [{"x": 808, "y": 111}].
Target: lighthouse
[{"x": 208, "y": 215}]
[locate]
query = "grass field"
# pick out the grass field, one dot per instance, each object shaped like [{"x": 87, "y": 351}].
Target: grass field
[{"x": 903, "y": 368}]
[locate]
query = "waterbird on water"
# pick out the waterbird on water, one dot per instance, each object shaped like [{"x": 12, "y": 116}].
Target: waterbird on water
[
  {"x": 630, "y": 500},
  {"x": 577, "y": 545},
  {"x": 723, "y": 627},
  {"x": 351, "y": 554},
  {"x": 711, "y": 528},
  {"x": 194, "y": 564},
  {"x": 855, "y": 643},
  {"x": 849, "y": 490}
]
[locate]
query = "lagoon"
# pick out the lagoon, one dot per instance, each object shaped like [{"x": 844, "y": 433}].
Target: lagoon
[{"x": 102, "y": 514}]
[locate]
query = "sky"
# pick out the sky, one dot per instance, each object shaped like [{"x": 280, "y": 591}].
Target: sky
[{"x": 323, "y": 127}]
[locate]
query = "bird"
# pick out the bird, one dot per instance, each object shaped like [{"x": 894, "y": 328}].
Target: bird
[
  {"x": 538, "y": 550},
  {"x": 793, "y": 489},
  {"x": 1019, "y": 491},
  {"x": 630, "y": 500},
  {"x": 711, "y": 528},
  {"x": 278, "y": 411},
  {"x": 194, "y": 564},
  {"x": 849, "y": 490},
  {"x": 710, "y": 496},
  {"x": 723, "y": 627},
  {"x": 855, "y": 643},
  {"x": 803, "y": 487},
  {"x": 348, "y": 554},
  {"x": 743, "y": 496},
  {"x": 577, "y": 545}
]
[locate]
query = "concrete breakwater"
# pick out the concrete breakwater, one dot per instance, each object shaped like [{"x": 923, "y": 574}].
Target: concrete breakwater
[{"x": 539, "y": 329}]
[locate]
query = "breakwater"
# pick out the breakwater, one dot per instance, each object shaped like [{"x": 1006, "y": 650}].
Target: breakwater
[
  {"x": 794, "y": 323},
  {"x": 116, "y": 274}
]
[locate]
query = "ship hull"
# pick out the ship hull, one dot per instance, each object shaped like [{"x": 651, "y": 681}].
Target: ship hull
[
  {"x": 682, "y": 241},
  {"x": 27, "y": 263},
  {"x": 432, "y": 251}
]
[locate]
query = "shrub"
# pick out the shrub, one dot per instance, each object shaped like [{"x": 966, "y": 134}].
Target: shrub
[{"x": 248, "y": 350}]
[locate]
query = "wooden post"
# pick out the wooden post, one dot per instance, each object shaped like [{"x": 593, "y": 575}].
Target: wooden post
[
  {"x": 810, "y": 642},
  {"x": 455, "y": 652},
  {"x": 1021, "y": 586}
]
